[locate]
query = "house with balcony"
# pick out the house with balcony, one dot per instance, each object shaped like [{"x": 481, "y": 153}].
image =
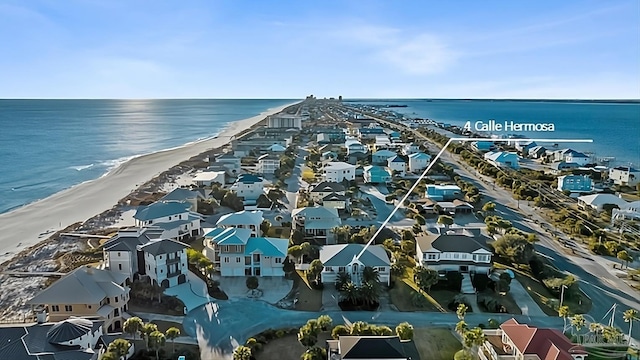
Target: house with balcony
[
  {"x": 397, "y": 164},
  {"x": 86, "y": 292},
  {"x": 374, "y": 174},
  {"x": 248, "y": 187},
  {"x": 165, "y": 262},
  {"x": 325, "y": 188},
  {"x": 515, "y": 341},
  {"x": 575, "y": 183},
  {"x": 122, "y": 252},
  {"x": 418, "y": 162},
  {"x": 380, "y": 157},
  {"x": 230, "y": 162},
  {"x": 354, "y": 146},
  {"x": 502, "y": 159},
  {"x": 461, "y": 252},
  {"x": 344, "y": 258},
  {"x": 235, "y": 252},
  {"x": 335, "y": 201},
  {"x": 175, "y": 218},
  {"x": 338, "y": 172},
  {"x": 624, "y": 175},
  {"x": 366, "y": 347},
  {"x": 244, "y": 220},
  {"x": 268, "y": 163},
  {"x": 316, "y": 223},
  {"x": 443, "y": 192}
]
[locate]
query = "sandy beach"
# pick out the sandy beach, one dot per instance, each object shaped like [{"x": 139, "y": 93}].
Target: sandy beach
[{"x": 33, "y": 223}]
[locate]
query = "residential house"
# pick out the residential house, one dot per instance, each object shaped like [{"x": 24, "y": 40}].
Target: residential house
[
  {"x": 316, "y": 223},
  {"x": 418, "y": 162},
  {"x": 268, "y": 163},
  {"x": 502, "y": 159},
  {"x": 86, "y": 292},
  {"x": 276, "y": 149},
  {"x": 537, "y": 152},
  {"x": 235, "y": 252},
  {"x": 523, "y": 147},
  {"x": 339, "y": 171},
  {"x": 627, "y": 211},
  {"x": 325, "y": 188},
  {"x": 461, "y": 252},
  {"x": 521, "y": 341},
  {"x": 409, "y": 149},
  {"x": 575, "y": 183},
  {"x": 122, "y": 252},
  {"x": 166, "y": 262},
  {"x": 397, "y": 164},
  {"x": 282, "y": 120},
  {"x": 374, "y": 174},
  {"x": 335, "y": 201},
  {"x": 370, "y": 133},
  {"x": 324, "y": 138},
  {"x": 394, "y": 136},
  {"x": 624, "y": 175},
  {"x": 354, "y": 146},
  {"x": 382, "y": 142},
  {"x": 455, "y": 207},
  {"x": 443, "y": 192},
  {"x": 357, "y": 158},
  {"x": 559, "y": 167},
  {"x": 249, "y": 187},
  {"x": 74, "y": 338},
  {"x": 483, "y": 146},
  {"x": 208, "y": 178},
  {"x": 174, "y": 217},
  {"x": 244, "y": 220},
  {"x": 576, "y": 157},
  {"x": 380, "y": 157},
  {"x": 344, "y": 258},
  {"x": 186, "y": 195},
  {"x": 230, "y": 162},
  {"x": 366, "y": 347},
  {"x": 329, "y": 155},
  {"x": 598, "y": 201}
]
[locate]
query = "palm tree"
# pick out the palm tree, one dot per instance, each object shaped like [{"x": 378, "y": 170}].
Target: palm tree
[
  {"x": 461, "y": 327},
  {"x": 370, "y": 274},
  {"x": 425, "y": 278},
  {"x": 157, "y": 341},
  {"x": 119, "y": 347},
  {"x": 563, "y": 312},
  {"x": 146, "y": 331},
  {"x": 338, "y": 331},
  {"x": 324, "y": 322},
  {"x": 349, "y": 292},
  {"x": 314, "y": 353},
  {"x": 172, "y": 333},
  {"x": 404, "y": 331},
  {"x": 368, "y": 293},
  {"x": 242, "y": 353},
  {"x": 342, "y": 279},
  {"x": 307, "y": 337},
  {"x": 462, "y": 311},
  {"x": 630, "y": 316},
  {"x": 578, "y": 322},
  {"x": 132, "y": 326}
]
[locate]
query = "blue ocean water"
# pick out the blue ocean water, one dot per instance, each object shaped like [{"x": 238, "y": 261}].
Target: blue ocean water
[
  {"x": 49, "y": 145},
  {"x": 614, "y": 127}
]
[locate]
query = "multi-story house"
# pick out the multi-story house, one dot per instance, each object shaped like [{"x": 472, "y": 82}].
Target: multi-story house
[
  {"x": 165, "y": 262},
  {"x": 419, "y": 161},
  {"x": 624, "y": 175},
  {"x": 335, "y": 201},
  {"x": 244, "y": 220},
  {"x": 483, "y": 146},
  {"x": 122, "y": 252},
  {"x": 174, "y": 217},
  {"x": 230, "y": 162},
  {"x": 366, "y": 348},
  {"x": 453, "y": 252},
  {"x": 374, "y": 174},
  {"x": 575, "y": 183},
  {"x": 235, "y": 252},
  {"x": 325, "y": 188},
  {"x": 86, "y": 292},
  {"x": 339, "y": 171},
  {"x": 248, "y": 187},
  {"x": 268, "y": 163},
  {"x": 344, "y": 258},
  {"x": 397, "y": 164},
  {"x": 409, "y": 149},
  {"x": 380, "y": 157},
  {"x": 208, "y": 178},
  {"x": 502, "y": 159},
  {"x": 283, "y": 120},
  {"x": 515, "y": 341},
  {"x": 443, "y": 192},
  {"x": 354, "y": 146},
  {"x": 316, "y": 223}
]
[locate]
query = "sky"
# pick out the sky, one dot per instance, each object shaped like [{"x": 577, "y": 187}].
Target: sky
[{"x": 289, "y": 49}]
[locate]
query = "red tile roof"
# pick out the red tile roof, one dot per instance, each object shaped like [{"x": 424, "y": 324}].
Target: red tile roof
[{"x": 548, "y": 344}]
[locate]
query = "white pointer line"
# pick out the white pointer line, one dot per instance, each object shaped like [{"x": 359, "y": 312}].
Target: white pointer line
[{"x": 424, "y": 173}]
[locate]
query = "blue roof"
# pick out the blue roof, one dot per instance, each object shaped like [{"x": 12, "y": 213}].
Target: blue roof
[
  {"x": 420, "y": 155},
  {"x": 397, "y": 159},
  {"x": 229, "y": 236},
  {"x": 377, "y": 170},
  {"x": 272, "y": 247},
  {"x": 249, "y": 178},
  {"x": 161, "y": 209}
]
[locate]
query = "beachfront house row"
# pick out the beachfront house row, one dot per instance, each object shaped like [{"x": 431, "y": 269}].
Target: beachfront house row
[
  {"x": 453, "y": 252},
  {"x": 165, "y": 262},
  {"x": 397, "y": 165},
  {"x": 208, "y": 178},
  {"x": 521, "y": 341},
  {"x": 268, "y": 163},
  {"x": 502, "y": 159},
  {"x": 244, "y": 220},
  {"x": 248, "y": 187},
  {"x": 348, "y": 347},
  {"x": 316, "y": 223},
  {"x": 575, "y": 183},
  {"x": 354, "y": 146},
  {"x": 325, "y": 188},
  {"x": 344, "y": 258},
  {"x": 175, "y": 218},
  {"x": 443, "y": 192},
  {"x": 380, "y": 157},
  {"x": 282, "y": 120},
  {"x": 86, "y": 292},
  {"x": 338, "y": 172},
  {"x": 235, "y": 252},
  {"x": 374, "y": 174},
  {"x": 624, "y": 175},
  {"x": 418, "y": 162}
]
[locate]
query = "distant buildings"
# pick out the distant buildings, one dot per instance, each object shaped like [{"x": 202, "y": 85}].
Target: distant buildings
[
  {"x": 342, "y": 258},
  {"x": 575, "y": 183},
  {"x": 483, "y": 146},
  {"x": 624, "y": 175},
  {"x": 282, "y": 120}
]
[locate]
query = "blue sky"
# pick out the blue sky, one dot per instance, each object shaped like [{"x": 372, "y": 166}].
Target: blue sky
[{"x": 289, "y": 49}]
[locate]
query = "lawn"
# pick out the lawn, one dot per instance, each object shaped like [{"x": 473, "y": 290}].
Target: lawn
[
  {"x": 308, "y": 299},
  {"x": 287, "y": 347},
  {"x": 435, "y": 343},
  {"x": 547, "y": 302},
  {"x": 402, "y": 296}
]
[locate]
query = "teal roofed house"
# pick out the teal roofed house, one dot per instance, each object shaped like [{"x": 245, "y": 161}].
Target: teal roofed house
[
  {"x": 376, "y": 174},
  {"x": 236, "y": 253}
]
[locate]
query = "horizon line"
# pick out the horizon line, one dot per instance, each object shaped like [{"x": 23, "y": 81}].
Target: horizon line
[{"x": 334, "y": 98}]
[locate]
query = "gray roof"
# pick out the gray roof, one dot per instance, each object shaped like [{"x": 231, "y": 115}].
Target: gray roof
[
  {"x": 371, "y": 347},
  {"x": 161, "y": 209},
  {"x": 343, "y": 254},
  {"x": 164, "y": 246},
  {"x": 85, "y": 285},
  {"x": 328, "y": 186},
  {"x": 69, "y": 329},
  {"x": 334, "y": 197},
  {"x": 180, "y": 194},
  {"x": 126, "y": 241},
  {"x": 450, "y": 243}
]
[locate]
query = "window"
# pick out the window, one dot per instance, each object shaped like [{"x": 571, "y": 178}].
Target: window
[
  {"x": 381, "y": 269},
  {"x": 119, "y": 266},
  {"x": 431, "y": 257},
  {"x": 226, "y": 259},
  {"x": 328, "y": 268},
  {"x": 116, "y": 298},
  {"x": 68, "y": 308},
  {"x": 55, "y": 308},
  {"x": 118, "y": 254},
  {"x": 160, "y": 257},
  {"x": 108, "y": 301},
  {"x": 89, "y": 306},
  {"x": 342, "y": 269},
  {"x": 278, "y": 260},
  {"x": 237, "y": 260},
  {"x": 116, "y": 312},
  {"x": 169, "y": 217},
  {"x": 456, "y": 256}
]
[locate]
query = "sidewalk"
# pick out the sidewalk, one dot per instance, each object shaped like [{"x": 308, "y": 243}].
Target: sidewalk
[{"x": 524, "y": 300}]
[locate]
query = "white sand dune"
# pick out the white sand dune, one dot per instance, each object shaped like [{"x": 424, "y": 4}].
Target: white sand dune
[{"x": 33, "y": 223}]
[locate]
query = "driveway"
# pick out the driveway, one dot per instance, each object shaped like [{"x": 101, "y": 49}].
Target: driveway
[
  {"x": 273, "y": 288},
  {"x": 193, "y": 293},
  {"x": 524, "y": 300}
]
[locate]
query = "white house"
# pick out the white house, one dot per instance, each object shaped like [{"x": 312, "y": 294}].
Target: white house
[
  {"x": 624, "y": 175},
  {"x": 121, "y": 251},
  {"x": 344, "y": 258},
  {"x": 453, "y": 252},
  {"x": 236, "y": 253},
  {"x": 316, "y": 223},
  {"x": 397, "y": 164},
  {"x": 325, "y": 188},
  {"x": 282, "y": 120},
  {"x": 174, "y": 217},
  {"x": 248, "y": 187},
  {"x": 339, "y": 171},
  {"x": 268, "y": 163},
  {"x": 230, "y": 162},
  {"x": 165, "y": 262},
  {"x": 502, "y": 159},
  {"x": 419, "y": 161},
  {"x": 598, "y": 201},
  {"x": 244, "y": 220},
  {"x": 443, "y": 192},
  {"x": 380, "y": 157},
  {"x": 576, "y": 157},
  {"x": 354, "y": 146},
  {"x": 409, "y": 149},
  {"x": 207, "y": 178}
]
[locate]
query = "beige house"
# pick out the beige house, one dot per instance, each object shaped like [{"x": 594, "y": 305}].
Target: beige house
[{"x": 86, "y": 292}]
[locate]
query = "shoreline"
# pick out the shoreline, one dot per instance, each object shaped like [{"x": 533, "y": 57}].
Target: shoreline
[{"x": 24, "y": 227}]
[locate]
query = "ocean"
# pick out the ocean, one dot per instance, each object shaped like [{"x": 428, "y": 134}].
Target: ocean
[
  {"x": 614, "y": 127},
  {"x": 47, "y": 146}
]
